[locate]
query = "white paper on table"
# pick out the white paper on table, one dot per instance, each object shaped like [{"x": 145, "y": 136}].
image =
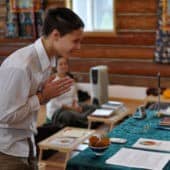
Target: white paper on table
[
  {"x": 75, "y": 133},
  {"x": 139, "y": 159},
  {"x": 63, "y": 141},
  {"x": 103, "y": 112},
  {"x": 152, "y": 144},
  {"x": 165, "y": 112},
  {"x": 113, "y": 105}
]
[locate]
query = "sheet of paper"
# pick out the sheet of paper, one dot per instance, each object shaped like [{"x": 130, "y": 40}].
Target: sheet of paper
[
  {"x": 139, "y": 159},
  {"x": 114, "y": 105},
  {"x": 63, "y": 141},
  {"x": 102, "y": 112},
  {"x": 165, "y": 112},
  {"x": 152, "y": 144},
  {"x": 81, "y": 147},
  {"x": 75, "y": 133}
]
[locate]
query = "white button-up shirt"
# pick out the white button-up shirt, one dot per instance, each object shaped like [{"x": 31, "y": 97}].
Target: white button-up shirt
[{"x": 21, "y": 74}]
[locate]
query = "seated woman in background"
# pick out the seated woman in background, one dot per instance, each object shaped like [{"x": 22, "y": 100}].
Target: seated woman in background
[{"x": 65, "y": 109}]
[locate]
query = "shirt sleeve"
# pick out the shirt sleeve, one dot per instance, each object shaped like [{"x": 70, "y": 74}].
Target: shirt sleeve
[{"x": 15, "y": 102}]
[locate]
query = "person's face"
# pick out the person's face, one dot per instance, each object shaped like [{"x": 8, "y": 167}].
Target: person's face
[
  {"x": 68, "y": 43},
  {"x": 62, "y": 65}
]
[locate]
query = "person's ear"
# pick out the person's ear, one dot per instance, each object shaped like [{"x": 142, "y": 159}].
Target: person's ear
[{"x": 55, "y": 34}]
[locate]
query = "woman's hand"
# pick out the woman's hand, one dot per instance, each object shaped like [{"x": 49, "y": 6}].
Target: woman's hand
[
  {"x": 76, "y": 106},
  {"x": 53, "y": 89}
]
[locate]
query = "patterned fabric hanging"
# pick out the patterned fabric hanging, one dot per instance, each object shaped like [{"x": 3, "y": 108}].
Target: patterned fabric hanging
[
  {"x": 24, "y": 18},
  {"x": 162, "y": 52}
]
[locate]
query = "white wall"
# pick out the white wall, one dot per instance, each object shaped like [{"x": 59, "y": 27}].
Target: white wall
[{"x": 119, "y": 91}]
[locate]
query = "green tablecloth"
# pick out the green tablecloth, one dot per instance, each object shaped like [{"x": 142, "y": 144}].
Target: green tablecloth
[{"x": 131, "y": 129}]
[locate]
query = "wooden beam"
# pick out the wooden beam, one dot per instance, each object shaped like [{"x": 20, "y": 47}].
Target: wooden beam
[
  {"x": 102, "y": 51},
  {"x": 136, "y": 68},
  {"x": 55, "y": 3},
  {"x": 13, "y": 41},
  {"x": 6, "y": 50},
  {"x": 93, "y": 51},
  {"x": 136, "y": 22},
  {"x": 116, "y": 79},
  {"x": 136, "y": 6},
  {"x": 135, "y": 38},
  {"x": 145, "y": 81}
]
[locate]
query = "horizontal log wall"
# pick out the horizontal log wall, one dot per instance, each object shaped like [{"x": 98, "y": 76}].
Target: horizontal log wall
[
  {"x": 129, "y": 54},
  {"x": 2, "y": 17}
]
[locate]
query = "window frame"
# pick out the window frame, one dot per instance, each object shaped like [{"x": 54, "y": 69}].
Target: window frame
[{"x": 99, "y": 33}]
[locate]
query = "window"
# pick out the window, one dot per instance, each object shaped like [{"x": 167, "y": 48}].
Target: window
[{"x": 98, "y": 15}]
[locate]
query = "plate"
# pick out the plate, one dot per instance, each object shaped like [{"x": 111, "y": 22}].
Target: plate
[{"x": 63, "y": 141}]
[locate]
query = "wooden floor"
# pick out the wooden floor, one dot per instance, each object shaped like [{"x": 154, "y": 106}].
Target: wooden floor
[{"x": 129, "y": 103}]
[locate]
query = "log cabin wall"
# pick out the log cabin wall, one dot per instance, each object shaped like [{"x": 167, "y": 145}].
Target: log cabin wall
[{"x": 129, "y": 54}]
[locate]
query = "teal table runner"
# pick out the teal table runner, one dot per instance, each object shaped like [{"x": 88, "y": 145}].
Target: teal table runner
[{"x": 131, "y": 129}]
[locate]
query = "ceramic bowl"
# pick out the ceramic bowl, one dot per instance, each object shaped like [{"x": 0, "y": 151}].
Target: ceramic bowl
[{"x": 99, "y": 150}]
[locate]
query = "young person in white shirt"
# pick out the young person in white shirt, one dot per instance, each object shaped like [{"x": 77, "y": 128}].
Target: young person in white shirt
[
  {"x": 25, "y": 83},
  {"x": 68, "y": 100},
  {"x": 65, "y": 109}
]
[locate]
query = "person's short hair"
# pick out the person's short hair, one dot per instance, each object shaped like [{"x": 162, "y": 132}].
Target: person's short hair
[{"x": 63, "y": 20}]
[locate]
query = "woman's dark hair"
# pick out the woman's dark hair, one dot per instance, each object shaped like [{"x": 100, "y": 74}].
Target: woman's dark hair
[{"x": 63, "y": 20}]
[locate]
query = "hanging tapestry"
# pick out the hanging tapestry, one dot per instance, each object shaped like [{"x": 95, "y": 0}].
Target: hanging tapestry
[
  {"x": 162, "y": 51},
  {"x": 24, "y": 18}
]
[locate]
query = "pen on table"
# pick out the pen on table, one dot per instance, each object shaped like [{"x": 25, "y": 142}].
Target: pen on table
[{"x": 159, "y": 90}]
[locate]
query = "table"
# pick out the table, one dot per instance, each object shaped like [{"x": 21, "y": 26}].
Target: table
[
  {"x": 110, "y": 121},
  {"x": 131, "y": 129},
  {"x": 65, "y": 141},
  {"x": 155, "y": 99}
]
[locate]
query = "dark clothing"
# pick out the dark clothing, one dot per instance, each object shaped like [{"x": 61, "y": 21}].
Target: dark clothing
[
  {"x": 8, "y": 162},
  {"x": 62, "y": 117}
]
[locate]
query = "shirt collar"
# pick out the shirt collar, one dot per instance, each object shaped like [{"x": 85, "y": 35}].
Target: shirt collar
[{"x": 42, "y": 55}]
